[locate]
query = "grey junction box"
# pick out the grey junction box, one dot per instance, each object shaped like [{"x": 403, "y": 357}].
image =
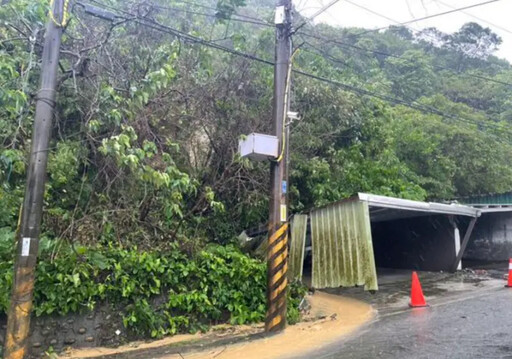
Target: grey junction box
[{"x": 259, "y": 147}]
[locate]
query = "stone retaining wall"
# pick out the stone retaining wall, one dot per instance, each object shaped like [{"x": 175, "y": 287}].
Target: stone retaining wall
[{"x": 101, "y": 327}]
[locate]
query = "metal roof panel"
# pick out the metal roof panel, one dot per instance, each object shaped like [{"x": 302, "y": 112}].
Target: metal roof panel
[{"x": 421, "y": 208}]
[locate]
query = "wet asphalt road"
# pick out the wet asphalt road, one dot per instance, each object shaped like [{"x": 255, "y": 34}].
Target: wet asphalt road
[{"x": 478, "y": 327}]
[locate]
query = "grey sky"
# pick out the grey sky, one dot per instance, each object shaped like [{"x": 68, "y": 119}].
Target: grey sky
[{"x": 494, "y": 15}]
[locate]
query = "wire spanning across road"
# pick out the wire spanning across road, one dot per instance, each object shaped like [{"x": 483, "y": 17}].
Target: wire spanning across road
[{"x": 150, "y": 23}]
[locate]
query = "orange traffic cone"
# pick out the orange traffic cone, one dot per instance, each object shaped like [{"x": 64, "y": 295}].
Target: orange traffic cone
[
  {"x": 417, "y": 298},
  {"x": 509, "y": 283}
]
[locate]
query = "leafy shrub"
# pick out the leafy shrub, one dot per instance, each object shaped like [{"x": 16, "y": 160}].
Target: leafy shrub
[
  {"x": 157, "y": 293},
  {"x": 6, "y": 266},
  {"x": 297, "y": 291}
]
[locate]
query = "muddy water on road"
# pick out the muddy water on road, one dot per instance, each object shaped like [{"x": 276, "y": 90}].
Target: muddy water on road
[
  {"x": 341, "y": 317},
  {"x": 331, "y": 318}
]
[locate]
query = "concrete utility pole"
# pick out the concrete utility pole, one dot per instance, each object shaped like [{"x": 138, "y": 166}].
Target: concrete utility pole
[
  {"x": 278, "y": 226},
  {"x": 18, "y": 322}
]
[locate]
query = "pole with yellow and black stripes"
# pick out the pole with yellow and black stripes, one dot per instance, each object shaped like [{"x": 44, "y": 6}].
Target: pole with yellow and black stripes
[
  {"x": 277, "y": 281},
  {"x": 277, "y": 254}
]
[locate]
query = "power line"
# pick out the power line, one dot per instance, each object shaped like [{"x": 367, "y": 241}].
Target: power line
[
  {"x": 430, "y": 108},
  {"x": 182, "y": 35},
  {"x": 398, "y": 23},
  {"x": 382, "y": 16},
  {"x": 417, "y": 19},
  {"x": 310, "y": 18},
  {"x": 215, "y": 9},
  {"x": 476, "y": 17},
  {"x": 323, "y": 9},
  {"x": 413, "y": 105},
  {"x": 248, "y": 21},
  {"x": 387, "y": 18},
  {"x": 159, "y": 27},
  {"x": 374, "y": 13},
  {"x": 382, "y": 53}
]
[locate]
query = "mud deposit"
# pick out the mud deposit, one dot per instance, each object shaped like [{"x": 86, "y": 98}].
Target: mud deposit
[{"x": 331, "y": 318}]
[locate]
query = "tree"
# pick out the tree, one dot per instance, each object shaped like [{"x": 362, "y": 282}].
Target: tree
[
  {"x": 411, "y": 75},
  {"x": 474, "y": 41},
  {"x": 453, "y": 158},
  {"x": 145, "y": 140}
]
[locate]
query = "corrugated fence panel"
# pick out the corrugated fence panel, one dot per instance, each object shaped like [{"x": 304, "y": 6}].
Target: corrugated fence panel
[
  {"x": 316, "y": 254},
  {"x": 297, "y": 244},
  {"x": 369, "y": 261},
  {"x": 342, "y": 247}
]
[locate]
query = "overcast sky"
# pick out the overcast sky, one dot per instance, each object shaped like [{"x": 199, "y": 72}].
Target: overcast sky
[{"x": 495, "y": 15}]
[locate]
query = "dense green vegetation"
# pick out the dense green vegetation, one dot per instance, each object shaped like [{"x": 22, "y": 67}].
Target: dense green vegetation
[
  {"x": 157, "y": 293},
  {"x": 144, "y": 149},
  {"x": 145, "y": 139}
]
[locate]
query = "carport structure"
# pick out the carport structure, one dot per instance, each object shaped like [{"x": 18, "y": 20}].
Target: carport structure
[
  {"x": 431, "y": 231},
  {"x": 351, "y": 237}
]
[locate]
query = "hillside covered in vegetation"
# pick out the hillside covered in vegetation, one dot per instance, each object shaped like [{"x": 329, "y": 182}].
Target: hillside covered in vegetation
[
  {"x": 153, "y": 98},
  {"x": 145, "y": 139}
]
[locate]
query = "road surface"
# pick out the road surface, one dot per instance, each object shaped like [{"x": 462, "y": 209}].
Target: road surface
[{"x": 472, "y": 327}]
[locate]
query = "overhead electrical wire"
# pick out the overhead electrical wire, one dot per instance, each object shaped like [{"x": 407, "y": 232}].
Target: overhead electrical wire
[
  {"x": 377, "y": 14},
  {"x": 322, "y": 10},
  {"x": 198, "y": 40},
  {"x": 382, "y": 53},
  {"x": 416, "y": 19},
  {"x": 413, "y": 105},
  {"x": 239, "y": 18},
  {"x": 164, "y": 28},
  {"x": 476, "y": 17},
  {"x": 312, "y": 17},
  {"x": 248, "y": 21},
  {"x": 160, "y": 27},
  {"x": 261, "y": 22},
  {"x": 215, "y": 9},
  {"x": 430, "y": 108},
  {"x": 398, "y": 23}
]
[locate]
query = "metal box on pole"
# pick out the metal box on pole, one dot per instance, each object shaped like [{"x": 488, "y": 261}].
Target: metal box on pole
[{"x": 259, "y": 147}]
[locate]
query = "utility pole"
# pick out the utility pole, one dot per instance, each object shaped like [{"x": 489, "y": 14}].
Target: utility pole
[
  {"x": 278, "y": 226},
  {"x": 18, "y": 322}
]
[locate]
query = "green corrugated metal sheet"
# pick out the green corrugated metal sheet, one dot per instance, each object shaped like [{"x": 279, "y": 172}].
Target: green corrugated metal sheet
[
  {"x": 488, "y": 199},
  {"x": 342, "y": 249},
  {"x": 297, "y": 244}
]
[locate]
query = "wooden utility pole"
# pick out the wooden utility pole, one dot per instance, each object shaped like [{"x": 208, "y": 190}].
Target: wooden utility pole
[
  {"x": 278, "y": 226},
  {"x": 18, "y": 322}
]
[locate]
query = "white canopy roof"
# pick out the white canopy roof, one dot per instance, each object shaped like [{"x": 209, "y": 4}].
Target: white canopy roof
[{"x": 383, "y": 208}]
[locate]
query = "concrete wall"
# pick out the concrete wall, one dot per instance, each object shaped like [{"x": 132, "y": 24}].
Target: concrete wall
[
  {"x": 102, "y": 327},
  {"x": 421, "y": 243},
  {"x": 491, "y": 239}
]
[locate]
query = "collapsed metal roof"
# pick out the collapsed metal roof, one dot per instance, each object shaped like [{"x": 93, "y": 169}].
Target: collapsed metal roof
[
  {"x": 342, "y": 249},
  {"x": 341, "y": 236},
  {"x": 384, "y": 208}
]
